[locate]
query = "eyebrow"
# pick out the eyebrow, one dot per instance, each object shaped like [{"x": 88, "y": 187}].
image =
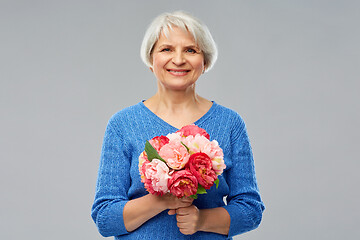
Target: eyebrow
[
  {"x": 164, "y": 45},
  {"x": 192, "y": 46},
  {"x": 188, "y": 46}
]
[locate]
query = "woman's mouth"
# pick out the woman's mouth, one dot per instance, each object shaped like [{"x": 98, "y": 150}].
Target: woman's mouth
[{"x": 178, "y": 72}]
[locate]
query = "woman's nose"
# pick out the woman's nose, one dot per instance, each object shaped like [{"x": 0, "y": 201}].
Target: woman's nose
[{"x": 178, "y": 58}]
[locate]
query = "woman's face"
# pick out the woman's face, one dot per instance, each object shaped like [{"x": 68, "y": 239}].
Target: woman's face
[{"x": 177, "y": 60}]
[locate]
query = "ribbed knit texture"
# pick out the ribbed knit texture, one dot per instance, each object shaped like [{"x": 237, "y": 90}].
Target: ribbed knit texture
[{"x": 119, "y": 178}]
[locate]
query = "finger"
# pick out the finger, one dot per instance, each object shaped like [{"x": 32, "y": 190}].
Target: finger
[
  {"x": 186, "y": 229},
  {"x": 186, "y": 204},
  {"x": 186, "y": 232},
  {"x": 187, "y": 199},
  {"x": 183, "y": 225},
  {"x": 181, "y": 218},
  {"x": 185, "y": 210},
  {"x": 179, "y": 211},
  {"x": 172, "y": 212},
  {"x": 185, "y": 218}
]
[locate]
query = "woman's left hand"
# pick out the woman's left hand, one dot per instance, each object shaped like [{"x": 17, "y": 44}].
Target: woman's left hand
[{"x": 187, "y": 219}]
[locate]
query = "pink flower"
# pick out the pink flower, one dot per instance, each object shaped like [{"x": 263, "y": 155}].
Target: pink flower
[
  {"x": 142, "y": 160},
  {"x": 200, "y": 166},
  {"x": 211, "y": 148},
  {"x": 183, "y": 183},
  {"x": 175, "y": 155},
  {"x": 216, "y": 155},
  {"x": 156, "y": 176},
  {"x": 192, "y": 130},
  {"x": 176, "y": 136},
  {"x": 158, "y": 142},
  {"x": 196, "y": 143},
  {"x": 183, "y": 162},
  {"x": 218, "y": 165}
]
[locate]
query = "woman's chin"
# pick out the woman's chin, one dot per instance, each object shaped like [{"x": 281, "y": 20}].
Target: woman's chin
[
  {"x": 177, "y": 85},
  {"x": 179, "y": 88}
]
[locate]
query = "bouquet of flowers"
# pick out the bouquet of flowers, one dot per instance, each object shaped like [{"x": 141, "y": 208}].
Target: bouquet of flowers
[{"x": 184, "y": 163}]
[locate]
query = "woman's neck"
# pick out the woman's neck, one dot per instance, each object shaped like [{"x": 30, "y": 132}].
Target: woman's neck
[
  {"x": 178, "y": 108},
  {"x": 175, "y": 100}
]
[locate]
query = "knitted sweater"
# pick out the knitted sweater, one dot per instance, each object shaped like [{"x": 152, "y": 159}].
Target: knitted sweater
[{"x": 119, "y": 179}]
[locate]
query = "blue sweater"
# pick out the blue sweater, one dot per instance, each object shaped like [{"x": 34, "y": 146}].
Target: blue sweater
[{"x": 119, "y": 179}]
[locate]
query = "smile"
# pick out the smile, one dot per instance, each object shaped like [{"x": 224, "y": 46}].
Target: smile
[{"x": 177, "y": 72}]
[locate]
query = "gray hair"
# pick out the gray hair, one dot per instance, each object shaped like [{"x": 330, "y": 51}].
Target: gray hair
[{"x": 167, "y": 21}]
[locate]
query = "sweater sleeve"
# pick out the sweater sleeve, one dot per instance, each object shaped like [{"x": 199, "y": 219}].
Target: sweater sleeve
[
  {"x": 112, "y": 185},
  {"x": 244, "y": 204}
]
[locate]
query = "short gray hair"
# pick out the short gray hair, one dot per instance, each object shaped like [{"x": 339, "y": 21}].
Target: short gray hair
[{"x": 197, "y": 29}]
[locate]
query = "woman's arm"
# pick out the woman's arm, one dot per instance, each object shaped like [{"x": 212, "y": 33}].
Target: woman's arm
[
  {"x": 191, "y": 219},
  {"x": 112, "y": 211},
  {"x": 113, "y": 183},
  {"x": 139, "y": 210},
  {"x": 244, "y": 208},
  {"x": 244, "y": 203},
  {"x": 214, "y": 220}
]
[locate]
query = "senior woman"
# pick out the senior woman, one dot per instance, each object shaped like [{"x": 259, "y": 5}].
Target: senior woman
[{"x": 178, "y": 49}]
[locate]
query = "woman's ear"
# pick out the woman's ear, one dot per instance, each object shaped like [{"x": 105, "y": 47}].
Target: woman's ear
[{"x": 151, "y": 69}]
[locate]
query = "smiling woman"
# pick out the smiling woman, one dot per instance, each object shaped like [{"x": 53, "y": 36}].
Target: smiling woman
[
  {"x": 177, "y": 61},
  {"x": 178, "y": 49},
  {"x": 165, "y": 23}
]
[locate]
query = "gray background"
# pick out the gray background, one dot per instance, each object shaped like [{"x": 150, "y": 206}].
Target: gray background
[{"x": 290, "y": 68}]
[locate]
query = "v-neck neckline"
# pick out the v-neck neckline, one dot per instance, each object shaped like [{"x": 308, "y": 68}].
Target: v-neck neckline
[{"x": 164, "y": 123}]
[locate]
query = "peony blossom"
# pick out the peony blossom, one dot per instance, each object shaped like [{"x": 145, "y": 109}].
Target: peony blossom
[
  {"x": 192, "y": 130},
  {"x": 216, "y": 155},
  {"x": 158, "y": 142},
  {"x": 175, "y": 155},
  {"x": 142, "y": 160},
  {"x": 183, "y": 163},
  {"x": 200, "y": 166},
  {"x": 156, "y": 176},
  {"x": 218, "y": 165},
  {"x": 183, "y": 183},
  {"x": 211, "y": 148},
  {"x": 196, "y": 143},
  {"x": 176, "y": 136}
]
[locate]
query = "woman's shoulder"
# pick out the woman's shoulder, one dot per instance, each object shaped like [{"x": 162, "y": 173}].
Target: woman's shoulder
[
  {"x": 228, "y": 113},
  {"x": 230, "y": 121},
  {"x": 129, "y": 113}
]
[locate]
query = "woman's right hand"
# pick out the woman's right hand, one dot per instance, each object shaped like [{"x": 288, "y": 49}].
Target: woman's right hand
[
  {"x": 139, "y": 210},
  {"x": 171, "y": 202}
]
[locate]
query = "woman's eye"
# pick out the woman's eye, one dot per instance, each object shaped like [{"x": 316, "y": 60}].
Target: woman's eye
[
  {"x": 165, "y": 50},
  {"x": 190, "y": 50}
]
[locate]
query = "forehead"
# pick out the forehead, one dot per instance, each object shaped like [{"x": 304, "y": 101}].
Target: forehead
[{"x": 175, "y": 36}]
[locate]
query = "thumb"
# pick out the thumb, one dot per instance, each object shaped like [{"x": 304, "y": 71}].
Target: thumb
[{"x": 172, "y": 212}]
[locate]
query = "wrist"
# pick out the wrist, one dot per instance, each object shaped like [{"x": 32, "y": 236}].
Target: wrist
[
  {"x": 214, "y": 220},
  {"x": 156, "y": 202},
  {"x": 201, "y": 221}
]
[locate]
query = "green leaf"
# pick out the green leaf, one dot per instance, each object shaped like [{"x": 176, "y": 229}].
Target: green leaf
[
  {"x": 216, "y": 183},
  {"x": 201, "y": 190},
  {"x": 188, "y": 150},
  {"x": 152, "y": 153},
  {"x": 195, "y": 196}
]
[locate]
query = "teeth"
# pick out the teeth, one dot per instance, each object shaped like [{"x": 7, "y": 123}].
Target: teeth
[{"x": 177, "y": 71}]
